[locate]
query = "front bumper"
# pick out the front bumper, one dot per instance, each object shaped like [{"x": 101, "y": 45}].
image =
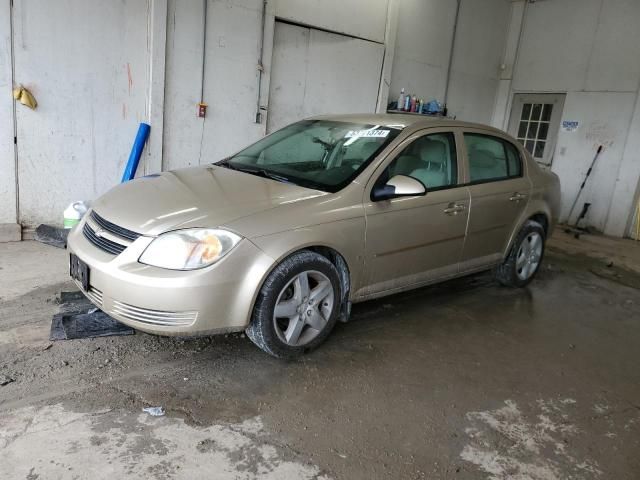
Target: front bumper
[{"x": 214, "y": 299}]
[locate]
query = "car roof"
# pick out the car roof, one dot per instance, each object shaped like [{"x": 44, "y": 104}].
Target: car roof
[{"x": 404, "y": 120}]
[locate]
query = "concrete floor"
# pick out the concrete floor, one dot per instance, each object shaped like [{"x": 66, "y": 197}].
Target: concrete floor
[{"x": 463, "y": 380}]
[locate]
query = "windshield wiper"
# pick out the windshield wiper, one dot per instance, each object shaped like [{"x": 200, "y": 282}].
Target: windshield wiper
[
  {"x": 264, "y": 173},
  {"x": 225, "y": 163},
  {"x": 255, "y": 171},
  {"x": 261, "y": 172}
]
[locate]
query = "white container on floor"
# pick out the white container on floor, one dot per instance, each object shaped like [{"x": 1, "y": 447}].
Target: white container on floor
[{"x": 74, "y": 213}]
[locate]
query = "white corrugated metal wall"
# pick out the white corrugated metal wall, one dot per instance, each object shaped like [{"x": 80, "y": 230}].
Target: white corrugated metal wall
[{"x": 98, "y": 68}]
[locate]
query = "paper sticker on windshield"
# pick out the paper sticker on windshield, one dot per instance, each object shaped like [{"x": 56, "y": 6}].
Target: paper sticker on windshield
[{"x": 367, "y": 133}]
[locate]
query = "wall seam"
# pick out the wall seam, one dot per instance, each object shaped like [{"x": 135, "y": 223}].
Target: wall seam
[
  {"x": 452, "y": 50},
  {"x": 635, "y": 205},
  {"x": 592, "y": 47},
  {"x": 516, "y": 57},
  {"x": 390, "y": 36},
  {"x": 14, "y": 113}
]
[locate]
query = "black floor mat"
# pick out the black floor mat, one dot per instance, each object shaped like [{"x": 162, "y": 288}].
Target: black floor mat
[
  {"x": 52, "y": 235},
  {"x": 80, "y": 319}
]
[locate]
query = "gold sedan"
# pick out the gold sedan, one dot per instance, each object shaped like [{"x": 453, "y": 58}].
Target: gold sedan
[{"x": 281, "y": 238}]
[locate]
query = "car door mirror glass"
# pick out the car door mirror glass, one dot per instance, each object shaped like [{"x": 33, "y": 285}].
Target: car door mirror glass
[{"x": 398, "y": 186}]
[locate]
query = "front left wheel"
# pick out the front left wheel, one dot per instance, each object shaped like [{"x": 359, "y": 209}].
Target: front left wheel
[{"x": 297, "y": 306}]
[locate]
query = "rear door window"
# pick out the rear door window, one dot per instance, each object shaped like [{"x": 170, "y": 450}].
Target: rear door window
[{"x": 491, "y": 158}]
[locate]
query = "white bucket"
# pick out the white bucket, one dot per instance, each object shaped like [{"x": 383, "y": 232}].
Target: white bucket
[{"x": 74, "y": 213}]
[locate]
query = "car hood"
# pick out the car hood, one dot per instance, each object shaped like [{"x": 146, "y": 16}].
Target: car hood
[{"x": 208, "y": 196}]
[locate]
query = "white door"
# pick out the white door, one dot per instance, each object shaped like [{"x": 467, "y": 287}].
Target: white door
[
  {"x": 86, "y": 63},
  {"x": 534, "y": 121},
  {"x": 314, "y": 72}
]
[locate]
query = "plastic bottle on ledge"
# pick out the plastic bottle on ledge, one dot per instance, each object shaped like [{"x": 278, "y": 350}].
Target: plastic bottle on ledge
[
  {"x": 407, "y": 103},
  {"x": 401, "y": 100},
  {"x": 413, "y": 104}
]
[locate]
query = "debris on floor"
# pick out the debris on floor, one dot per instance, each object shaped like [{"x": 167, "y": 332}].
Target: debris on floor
[
  {"x": 154, "y": 411},
  {"x": 5, "y": 380},
  {"x": 52, "y": 235},
  {"x": 560, "y": 350},
  {"x": 80, "y": 319}
]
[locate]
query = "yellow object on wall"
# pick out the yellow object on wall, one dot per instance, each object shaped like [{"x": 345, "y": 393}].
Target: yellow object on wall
[{"x": 25, "y": 97}]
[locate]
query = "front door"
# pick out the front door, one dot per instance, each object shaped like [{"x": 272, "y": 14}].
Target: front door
[
  {"x": 534, "y": 121},
  {"x": 415, "y": 240},
  {"x": 499, "y": 190}
]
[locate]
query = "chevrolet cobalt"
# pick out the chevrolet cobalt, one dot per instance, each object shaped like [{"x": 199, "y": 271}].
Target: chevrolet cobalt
[{"x": 281, "y": 238}]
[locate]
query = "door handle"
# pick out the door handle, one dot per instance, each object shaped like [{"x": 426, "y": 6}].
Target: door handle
[
  {"x": 454, "y": 209},
  {"x": 517, "y": 196}
]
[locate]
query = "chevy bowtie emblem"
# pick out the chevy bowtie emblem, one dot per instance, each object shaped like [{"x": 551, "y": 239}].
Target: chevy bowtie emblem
[{"x": 98, "y": 232}]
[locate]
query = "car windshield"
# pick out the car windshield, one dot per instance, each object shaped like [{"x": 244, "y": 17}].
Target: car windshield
[{"x": 321, "y": 154}]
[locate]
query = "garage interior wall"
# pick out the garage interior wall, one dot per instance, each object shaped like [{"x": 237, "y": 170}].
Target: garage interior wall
[
  {"x": 584, "y": 48},
  {"x": 423, "y": 51},
  {"x": 87, "y": 64},
  {"x": 587, "y": 49},
  {"x": 230, "y": 67}
]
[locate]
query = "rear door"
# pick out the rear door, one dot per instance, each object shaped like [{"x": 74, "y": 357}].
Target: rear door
[
  {"x": 415, "y": 240},
  {"x": 499, "y": 190}
]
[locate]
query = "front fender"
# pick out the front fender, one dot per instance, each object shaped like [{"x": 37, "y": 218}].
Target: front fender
[{"x": 346, "y": 237}]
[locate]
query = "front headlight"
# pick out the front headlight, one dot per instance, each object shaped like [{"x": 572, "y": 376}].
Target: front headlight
[{"x": 189, "y": 249}]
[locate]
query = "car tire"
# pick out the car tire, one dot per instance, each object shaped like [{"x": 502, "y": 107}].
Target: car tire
[
  {"x": 284, "y": 289},
  {"x": 524, "y": 258}
]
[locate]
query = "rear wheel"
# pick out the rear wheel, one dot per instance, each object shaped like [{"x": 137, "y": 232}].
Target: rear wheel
[
  {"x": 297, "y": 307},
  {"x": 524, "y": 258}
]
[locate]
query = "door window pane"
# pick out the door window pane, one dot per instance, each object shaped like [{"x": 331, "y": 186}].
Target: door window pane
[
  {"x": 529, "y": 144},
  {"x": 487, "y": 158},
  {"x": 543, "y": 131},
  {"x": 533, "y": 128},
  {"x": 536, "y": 112},
  {"x": 430, "y": 159},
  {"x": 522, "y": 130}
]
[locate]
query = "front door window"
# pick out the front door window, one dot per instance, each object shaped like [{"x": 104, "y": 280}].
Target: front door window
[{"x": 430, "y": 159}]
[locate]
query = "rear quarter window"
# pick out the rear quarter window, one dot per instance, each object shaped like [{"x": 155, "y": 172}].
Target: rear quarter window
[{"x": 514, "y": 160}]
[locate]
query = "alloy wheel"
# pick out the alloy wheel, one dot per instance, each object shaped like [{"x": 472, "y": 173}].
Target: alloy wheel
[
  {"x": 303, "y": 308},
  {"x": 529, "y": 255}
]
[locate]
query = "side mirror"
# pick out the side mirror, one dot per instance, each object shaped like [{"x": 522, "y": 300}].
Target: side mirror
[{"x": 398, "y": 186}]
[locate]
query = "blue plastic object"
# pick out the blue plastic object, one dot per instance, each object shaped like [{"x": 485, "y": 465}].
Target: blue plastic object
[
  {"x": 433, "y": 107},
  {"x": 136, "y": 152}
]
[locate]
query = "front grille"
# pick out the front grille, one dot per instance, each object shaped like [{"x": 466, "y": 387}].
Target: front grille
[
  {"x": 153, "y": 317},
  {"x": 101, "y": 242},
  {"x": 95, "y": 296},
  {"x": 113, "y": 228}
]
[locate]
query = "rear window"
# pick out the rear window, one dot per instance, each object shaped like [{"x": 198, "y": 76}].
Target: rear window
[{"x": 491, "y": 158}]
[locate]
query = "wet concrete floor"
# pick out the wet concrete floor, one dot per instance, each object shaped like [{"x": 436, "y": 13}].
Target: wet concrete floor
[{"x": 464, "y": 380}]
